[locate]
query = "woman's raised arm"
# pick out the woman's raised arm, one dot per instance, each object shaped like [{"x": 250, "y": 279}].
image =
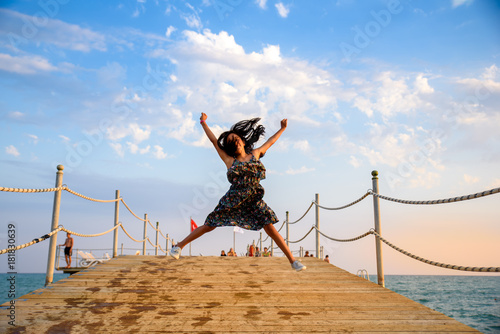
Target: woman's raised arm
[
  {"x": 226, "y": 158},
  {"x": 259, "y": 152}
]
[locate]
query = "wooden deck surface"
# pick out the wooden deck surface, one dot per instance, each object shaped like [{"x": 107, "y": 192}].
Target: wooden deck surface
[{"x": 135, "y": 294}]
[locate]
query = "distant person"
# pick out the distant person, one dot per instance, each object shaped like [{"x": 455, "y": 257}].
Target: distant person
[
  {"x": 311, "y": 255},
  {"x": 306, "y": 254},
  {"x": 68, "y": 249},
  {"x": 231, "y": 253},
  {"x": 222, "y": 253},
  {"x": 327, "y": 259},
  {"x": 243, "y": 204},
  {"x": 257, "y": 252},
  {"x": 266, "y": 253},
  {"x": 251, "y": 251}
]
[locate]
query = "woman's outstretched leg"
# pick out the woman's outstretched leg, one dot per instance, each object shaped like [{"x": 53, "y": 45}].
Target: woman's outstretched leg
[
  {"x": 274, "y": 234},
  {"x": 198, "y": 232}
]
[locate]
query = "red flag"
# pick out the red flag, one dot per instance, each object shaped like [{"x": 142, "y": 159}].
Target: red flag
[{"x": 193, "y": 225}]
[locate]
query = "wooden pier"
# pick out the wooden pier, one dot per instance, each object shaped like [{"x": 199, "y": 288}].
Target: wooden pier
[{"x": 136, "y": 294}]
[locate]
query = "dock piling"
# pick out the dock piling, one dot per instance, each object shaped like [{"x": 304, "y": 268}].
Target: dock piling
[
  {"x": 55, "y": 224},
  {"x": 378, "y": 243}
]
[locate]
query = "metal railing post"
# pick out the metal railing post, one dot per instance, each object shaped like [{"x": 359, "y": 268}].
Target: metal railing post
[
  {"x": 145, "y": 233},
  {"x": 55, "y": 224},
  {"x": 167, "y": 244},
  {"x": 272, "y": 247},
  {"x": 287, "y": 231},
  {"x": 157, "y": 232},
  {"x": 115, "y": 233},
  {"x": 260, "y": 243},
  {"x": 378, "y": 243},
  {"x": 317, "y": 226}
]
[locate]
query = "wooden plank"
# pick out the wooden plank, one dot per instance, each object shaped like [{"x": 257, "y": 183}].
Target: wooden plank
[{"x": 221, "y": 295}]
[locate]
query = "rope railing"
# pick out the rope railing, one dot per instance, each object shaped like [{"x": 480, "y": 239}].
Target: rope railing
[
  {"x": 35, "y": 241},
  {"x": 441, "y": 201},
  {"x": 345, "y": 206},
  {"x": 65, "y": 187},
  {"x": 90, "y": 198},
  {"x": 132, "y": 212},
  {"x": 305, "y": 236},
  {"x": 62, "y": 228},
  {"x": 434, "y": 263},
  {"x": 90, "y": 235},
  {"x": 19, "y": 190},
  {"x": 343, "y": 240},
  {"x": 307, "y": 211}
]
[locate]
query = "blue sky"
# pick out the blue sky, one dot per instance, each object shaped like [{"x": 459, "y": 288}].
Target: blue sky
[{"x": 113, "y": 91}]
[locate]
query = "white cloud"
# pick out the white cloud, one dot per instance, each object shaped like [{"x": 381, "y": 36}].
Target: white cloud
[
  {"x": 458, "y": 3},
  {"x": 301, "y": 170},
  {"x": 353, "y": 161},
  {"x": 302, "y": 145},
  {"x": 64, "y": 138},
  {"x": 158, "y": 152},
  {"x": 484, "y": 86},
  {"x": 34, "y": 138},
  {"x": 170, "y": 30},
  {"x": 422, "y": 85},
  {"x": 118, "y": 148},
  {"x": 283, "y": 10},
  {"x": 25, "y": 64},
  {"x": 469, "y": 179},
  {"x": 138, "y": 134},
  {"x": 232, "y": 84},
  {"x": 12, "y": 150},
  {"x": 261, "y": 3},
  {"x": 56, "y": 32},
  {"x": 16, "y": 114},
  {"x": 193, "y": 19},
  {"x": 134, "y": 148},
  {"x": 390, "y": 94}
]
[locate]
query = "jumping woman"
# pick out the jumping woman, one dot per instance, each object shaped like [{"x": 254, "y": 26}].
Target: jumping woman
[{"x": 242, "y": 205}]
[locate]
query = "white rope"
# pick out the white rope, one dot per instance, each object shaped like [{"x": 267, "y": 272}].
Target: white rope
[
  {"x": 42, "y": 238},
  {"x": 124, "y": 230},
  {"x": 19, "y": 190},
  {"x": 440, "y": 201},
  {"x": 294, "y": 242},
  {"x": 309, "y": 208},
  {"x": 90, "y": 198},
  {"x": 343, "y": 240},
  {"x": 123, "y": 201},
  {"x": 434, "y": 263},
  {"x": 345, "y": 206},
  {"x": 91, "y": 235}
]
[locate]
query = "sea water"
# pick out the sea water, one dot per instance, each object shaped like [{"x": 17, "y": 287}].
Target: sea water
[
  {"x": 23, "y": 284},
  {"x": 472, "y": 300}
]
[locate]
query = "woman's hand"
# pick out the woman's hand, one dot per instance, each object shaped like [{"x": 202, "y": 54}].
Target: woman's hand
[
  {"x": 203, "y": 117},
  {"x": 284, "y": 123}
]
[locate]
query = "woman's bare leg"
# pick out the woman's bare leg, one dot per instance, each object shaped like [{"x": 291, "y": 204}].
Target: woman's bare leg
[
  {"x": 274, "y": 234},
  {"x": 198, "y": 232}
]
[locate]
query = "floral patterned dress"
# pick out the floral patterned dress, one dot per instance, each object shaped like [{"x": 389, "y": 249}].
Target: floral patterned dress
[{"x": 242, "y": 205}]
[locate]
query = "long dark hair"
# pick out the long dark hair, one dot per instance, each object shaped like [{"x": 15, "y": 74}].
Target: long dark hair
[{"x": 247, "y": 130}]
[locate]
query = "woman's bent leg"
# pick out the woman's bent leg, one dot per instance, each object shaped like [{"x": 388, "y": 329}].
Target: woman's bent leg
[
  {"x": 198, "y": 232},
  {"x": 274, "y": 234}
]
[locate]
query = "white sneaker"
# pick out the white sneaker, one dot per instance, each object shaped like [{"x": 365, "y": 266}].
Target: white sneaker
[
  {"x": 298, "y": 266},
  {"x": 175, "y": 252}
]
